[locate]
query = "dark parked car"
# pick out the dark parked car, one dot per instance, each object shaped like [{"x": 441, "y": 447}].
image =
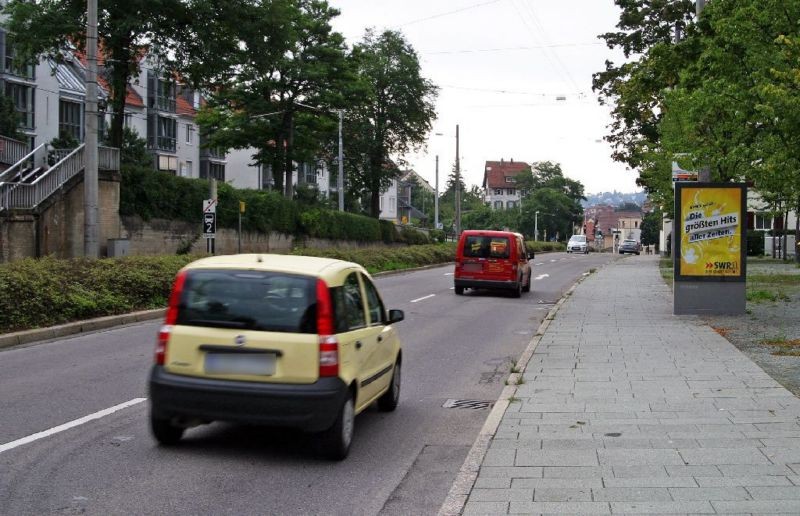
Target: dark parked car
[{"x": 629, "y": 246}]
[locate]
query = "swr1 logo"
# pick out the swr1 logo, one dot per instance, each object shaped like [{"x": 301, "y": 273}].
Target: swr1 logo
[{"x": 722, "y": 266}]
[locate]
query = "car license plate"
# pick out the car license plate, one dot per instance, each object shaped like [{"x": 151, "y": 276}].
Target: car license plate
[
  {"x": 261, "y": 364},
  {"x": 473, "y": 267}
]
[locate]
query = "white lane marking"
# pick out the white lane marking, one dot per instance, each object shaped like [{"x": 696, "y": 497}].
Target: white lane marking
[
  {"x": 448, "y": 273},
  {"x": 541, "y": 276},
  {"x": 452, "y": 288},
  {"x": 541, "y": 263},
  {"x": 551, "y": 261},
  {"x": 422, "y": 298},
  {"x": 71, "y": 424}
]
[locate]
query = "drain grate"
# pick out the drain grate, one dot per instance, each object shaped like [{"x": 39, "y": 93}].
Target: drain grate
[{"x": 468, "y": 404}]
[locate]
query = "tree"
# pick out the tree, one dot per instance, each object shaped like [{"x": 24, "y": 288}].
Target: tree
[
  {"x": 133, "y": 151},
  {"x": 125, "y": 29},
  {"x": 392, "y": 116},
  {"x": 9, "y": 119},
  {"x": 651, "y": 226},
  {"x": 282, "y": 84}
]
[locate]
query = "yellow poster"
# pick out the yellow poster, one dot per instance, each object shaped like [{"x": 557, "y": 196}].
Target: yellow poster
[{"x": 711, "y": 231}]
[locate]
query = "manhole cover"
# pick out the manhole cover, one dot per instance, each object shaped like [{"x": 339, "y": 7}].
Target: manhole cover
[{"x": 468, "y": 404}]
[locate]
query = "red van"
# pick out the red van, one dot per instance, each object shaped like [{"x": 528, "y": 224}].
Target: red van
[{"x": 492, "y": 259}]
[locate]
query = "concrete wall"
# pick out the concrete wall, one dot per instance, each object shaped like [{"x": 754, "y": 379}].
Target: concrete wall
[
  {"x": 160, "y": 236},
  {"x": 56, "y": 227}
]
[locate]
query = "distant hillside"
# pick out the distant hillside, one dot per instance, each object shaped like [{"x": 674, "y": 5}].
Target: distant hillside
[{"x": 614, "y": 198}]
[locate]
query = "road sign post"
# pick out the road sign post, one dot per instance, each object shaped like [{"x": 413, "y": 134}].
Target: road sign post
[{"x": 210, "y": 223}]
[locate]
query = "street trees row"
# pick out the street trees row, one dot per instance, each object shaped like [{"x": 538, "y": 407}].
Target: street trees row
[
  {"x": 724, "y": 94},
  {"x": 274, "y": 75}
]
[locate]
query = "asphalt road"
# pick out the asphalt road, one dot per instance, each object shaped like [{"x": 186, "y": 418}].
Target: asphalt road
[{"x": 456, "y": 348}]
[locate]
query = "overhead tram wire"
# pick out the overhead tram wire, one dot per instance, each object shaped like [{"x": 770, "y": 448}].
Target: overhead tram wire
[
  {"x": 448, "y": 13},
  {"x": 552, "y": 57},
  {"x": 510, "y": 49},
  {"x": 543, "y": 32}
]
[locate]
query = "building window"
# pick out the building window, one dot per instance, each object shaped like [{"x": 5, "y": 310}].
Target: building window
[
  {"x": 510, "y": 179},
  {"x": 510, "y": 191},
  {"x": 380, "y": 203},
  {"x": 23, "y": 97},
  {"x": 636, "y": 224},
  {"x": 69, "y": 119},
  {"x": 216, "y": 170},
  {"x": 186, "y": 169},
  {"x": 763, "y": 221},
  {"x": 511, "y": 204},
  {"x": 498, "y": 191},
  {"x": 498, "y": 205},
  {"x": 523, "y": 193},
  {"x": 168, "y": 164},
  {"x": 189, "y": 134},
  {"x": 162, "y": 133},
  {"x": 27, "y": 71},
  {"x": 128, "y": 120}
]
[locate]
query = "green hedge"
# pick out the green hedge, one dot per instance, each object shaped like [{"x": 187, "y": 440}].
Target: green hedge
[
  {"x": 378, "y": 259},
  {"x": 151, "y": 194},
  {"x": 755, "y": 243},
  {"x": 540, "y": 247},
  {"x": 50, "y": 291}
]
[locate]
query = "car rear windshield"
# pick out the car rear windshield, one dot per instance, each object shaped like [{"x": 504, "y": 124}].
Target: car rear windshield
[
  {"x": 486, "y": 247},
  {"x": 252, "y": 300},
  {"x": 577, "y": 239}
]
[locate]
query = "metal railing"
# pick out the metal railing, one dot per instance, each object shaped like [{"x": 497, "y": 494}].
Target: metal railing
[
  {"x": 35, "y": 158},
  {"x": 108, "y": 158},
  {"x": 29, "y": 195},
  {"x": 11, "y": 150}
]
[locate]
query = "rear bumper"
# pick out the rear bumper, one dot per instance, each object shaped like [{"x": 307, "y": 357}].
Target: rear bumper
[
  {"x": 493, "y": 284},
  {"x": 310, "y": 407}
]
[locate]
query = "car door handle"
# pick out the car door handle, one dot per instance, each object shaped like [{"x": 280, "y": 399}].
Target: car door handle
[{"x": 358, "y": 344}]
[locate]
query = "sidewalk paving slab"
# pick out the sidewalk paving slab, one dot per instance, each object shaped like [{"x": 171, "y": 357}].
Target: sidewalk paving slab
[{"x": 627, "y": 408}]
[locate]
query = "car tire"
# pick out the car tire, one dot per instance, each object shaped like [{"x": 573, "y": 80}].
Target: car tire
[
  {"x": 517, "y": 292},
  {"x": 637, "y": 254},
  {"x": 164, "y": 431},
  {"x": 389, "y": 400},
  {"x": 586, "y": 252},
  {"x": 527, "y": 286},
  {"x": 459, "y": 291},
  {"x": 334, "y": 443}
]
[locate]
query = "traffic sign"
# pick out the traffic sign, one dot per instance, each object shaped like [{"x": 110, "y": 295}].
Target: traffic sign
[
  {"x": 209, "y": 225},
  {"x": 209, "y": 206}
]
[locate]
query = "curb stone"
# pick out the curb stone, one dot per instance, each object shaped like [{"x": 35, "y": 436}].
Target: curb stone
[
  {"x": 465, "y": 478},
  {"x": 64, "y": 330}
]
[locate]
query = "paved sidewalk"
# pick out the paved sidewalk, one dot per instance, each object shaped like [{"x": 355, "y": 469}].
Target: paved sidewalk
[{"x": 626, "y": 408}]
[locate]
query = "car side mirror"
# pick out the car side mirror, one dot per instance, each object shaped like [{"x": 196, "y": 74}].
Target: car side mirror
[{"x": 396, "y": 316}]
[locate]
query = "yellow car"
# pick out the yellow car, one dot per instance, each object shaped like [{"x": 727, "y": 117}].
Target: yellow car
[{"x": 285, "y": 341}]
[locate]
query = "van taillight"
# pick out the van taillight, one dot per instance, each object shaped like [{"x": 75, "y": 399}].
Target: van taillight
[
  {"x": 170, "y": 318},
  {"x": 328, "y": 342}
]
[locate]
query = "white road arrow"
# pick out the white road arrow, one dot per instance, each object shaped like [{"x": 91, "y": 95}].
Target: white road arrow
[{"x": 541, "y": 276}]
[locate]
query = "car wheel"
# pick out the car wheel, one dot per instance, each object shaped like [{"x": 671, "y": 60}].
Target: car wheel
[
  {"x": 517, "y": 292},
  {"x": 459, "y": 291},
  {"x": 334, "y": 443},
  {"x": 527, "y": 286},
  {"x": 388, "y": 402},
  {"x": 637, "y": 254},
  {"x": 164, "y": 431},
  {"x": 586, "y": 252}
]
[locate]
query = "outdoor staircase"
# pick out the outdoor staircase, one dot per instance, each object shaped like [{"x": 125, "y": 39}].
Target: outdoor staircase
[{"x": 37, "y": 175}]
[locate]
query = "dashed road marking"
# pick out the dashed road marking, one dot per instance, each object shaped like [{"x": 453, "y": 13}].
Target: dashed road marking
[
  {"x": 71, "y": 424},
  {"x": 541, "y": 276},
  {"x": 423, "y": 298},
  {"x": 448, "y": 273}
]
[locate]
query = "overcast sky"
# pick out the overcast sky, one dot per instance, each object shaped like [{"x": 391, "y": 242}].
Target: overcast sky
[{"x": 515, "y": 75}]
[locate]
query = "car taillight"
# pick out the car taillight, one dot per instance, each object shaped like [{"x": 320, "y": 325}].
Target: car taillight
[
  {"x": 170, "y": 318},
  {"x": 328, "y": 342}
]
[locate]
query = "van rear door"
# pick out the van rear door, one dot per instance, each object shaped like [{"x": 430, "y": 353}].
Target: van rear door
[{"x": 488, "y": 258}]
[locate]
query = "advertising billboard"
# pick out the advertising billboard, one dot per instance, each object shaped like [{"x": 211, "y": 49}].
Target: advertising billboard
[{"x": 710, "y": 231}]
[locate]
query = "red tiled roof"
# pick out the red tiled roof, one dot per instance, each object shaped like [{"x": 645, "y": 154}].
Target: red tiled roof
[
  {"x": 132, "y": 98},
  {"x": 495, "y": 172},
  {"x": 184, "y": 107}
]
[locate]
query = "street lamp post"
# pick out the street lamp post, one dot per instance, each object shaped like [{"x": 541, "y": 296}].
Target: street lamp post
[
  {"x": 536, "y": 225},
  {"x": 436, "y": 199}
]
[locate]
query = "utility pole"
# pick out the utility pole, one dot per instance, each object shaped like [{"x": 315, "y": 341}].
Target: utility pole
[
  {"x": 704, "y": 174},
  {"x": 340, "y": 179},
  {"x": 90, "y": 180},
  {"x": 458, "y": 189},
  {"x": 436, "y": 199}
]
